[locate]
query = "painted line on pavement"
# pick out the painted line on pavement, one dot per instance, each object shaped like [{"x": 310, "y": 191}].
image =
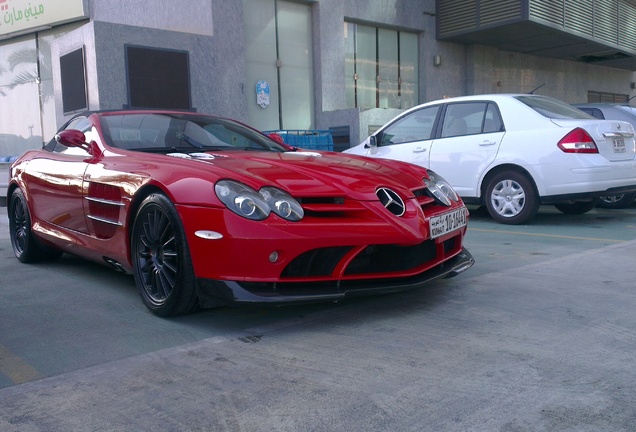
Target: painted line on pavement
[
  {"x": 547, "y": 235},
  {"x": 16, "y": 369}
]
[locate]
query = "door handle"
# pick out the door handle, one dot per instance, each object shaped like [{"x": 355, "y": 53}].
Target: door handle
[
  {"x": 419, "y": 150},
  {"x": 486, "y": 143}
]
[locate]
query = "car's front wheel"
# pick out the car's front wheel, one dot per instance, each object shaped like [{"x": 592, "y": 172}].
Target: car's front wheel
[
  {"x": 161, "y": 258},
  {"x": 511, "y": 198},
  {"x": 617, "y": 201},
  {"x": 25, "y": 246}
]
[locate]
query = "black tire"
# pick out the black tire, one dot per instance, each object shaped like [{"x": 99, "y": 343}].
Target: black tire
[
  {"x": 577, "y": 207},
  {"x": 161, "y": 259},
  {"x": 511, "y": 198},
  {"x": 26, "y": 247},
  {"x": 619, "y": 201}
]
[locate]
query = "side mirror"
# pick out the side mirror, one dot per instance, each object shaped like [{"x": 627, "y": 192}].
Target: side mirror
[
  {"x": 72, "y": 138},
  {"x": 373, "y": 144}
]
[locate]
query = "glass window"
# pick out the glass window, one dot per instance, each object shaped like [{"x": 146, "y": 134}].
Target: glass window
[
  {"x": 471, "y": 118},
  {"x": 158, "y": 78},
  {"x": 73, "y": 78},
  {"x": 20, "y": 126},
  {"x": 280, "y": 88},
  {"x": 552, "y": 108},
  {"x": 380, "y": 67},
  {"x": 416, "y": 126}
]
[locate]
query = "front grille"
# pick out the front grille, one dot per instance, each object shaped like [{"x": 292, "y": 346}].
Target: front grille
[
  {"x": 391, "y": 258},
  {"x": 316, "y": 262}
]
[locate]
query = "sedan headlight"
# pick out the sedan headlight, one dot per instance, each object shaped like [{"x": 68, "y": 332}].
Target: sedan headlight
[
  {"x": 440, "y": 189},
  {"x": 246, "y": 202}
]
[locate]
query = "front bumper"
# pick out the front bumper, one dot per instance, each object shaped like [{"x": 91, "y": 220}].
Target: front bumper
[{"x": 214, "y": 292}]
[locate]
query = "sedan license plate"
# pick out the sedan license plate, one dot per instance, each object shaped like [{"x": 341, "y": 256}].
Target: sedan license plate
[
  {"x": 448, "y": 222},
  {"x": 619, "y": 146}
]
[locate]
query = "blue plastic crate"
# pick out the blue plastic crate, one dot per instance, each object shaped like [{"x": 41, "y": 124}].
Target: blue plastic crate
[{"x": 306, "y": 139}]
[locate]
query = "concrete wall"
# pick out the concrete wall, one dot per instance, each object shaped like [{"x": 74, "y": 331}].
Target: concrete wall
[{"x": 212, "y": 31}]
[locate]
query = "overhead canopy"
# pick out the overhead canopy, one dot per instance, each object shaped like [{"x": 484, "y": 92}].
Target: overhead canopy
[{"x": 592, "y": 31}]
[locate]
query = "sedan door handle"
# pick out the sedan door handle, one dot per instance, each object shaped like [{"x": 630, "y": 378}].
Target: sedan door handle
[
  {"x": 486, "y": 143},
  {"x": 419, "y": 150}
]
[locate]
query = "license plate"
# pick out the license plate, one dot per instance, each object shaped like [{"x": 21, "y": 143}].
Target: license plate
[
  {"x": 448, "y": 222},
  {"x": 619, "y": 146}
]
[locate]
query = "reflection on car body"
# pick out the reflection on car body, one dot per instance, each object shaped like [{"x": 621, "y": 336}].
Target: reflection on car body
[
  {"x": 206, "y": 211},
  {"x": 513, "y": 152}
]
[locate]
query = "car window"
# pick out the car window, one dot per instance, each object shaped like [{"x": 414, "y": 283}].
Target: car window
[
  {"x": 594, "y": 112},
  {"x": 552, "y": 108},
  {"x": 416, "y": 126},
  {"x": 492, "y": 120},
  {"x": 170, "y": 132},
  {"x": 470, "y": 118}
]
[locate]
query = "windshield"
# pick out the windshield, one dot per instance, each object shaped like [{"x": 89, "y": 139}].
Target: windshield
[
  {"x": 153, "y": 132},
  {"x": 552, "y": 108}
]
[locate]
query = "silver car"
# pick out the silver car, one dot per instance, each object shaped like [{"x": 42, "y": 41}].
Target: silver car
[{"x": 612, "y": 111}]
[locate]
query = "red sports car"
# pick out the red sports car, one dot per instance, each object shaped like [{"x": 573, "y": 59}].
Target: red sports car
[{"x": 206, "y": 211}]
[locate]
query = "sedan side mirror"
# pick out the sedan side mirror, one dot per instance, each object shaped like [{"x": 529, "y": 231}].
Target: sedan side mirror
[{"x": 373, "y": 144}]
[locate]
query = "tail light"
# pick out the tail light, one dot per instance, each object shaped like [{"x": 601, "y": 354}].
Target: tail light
[{"x": 578, "y": 141}]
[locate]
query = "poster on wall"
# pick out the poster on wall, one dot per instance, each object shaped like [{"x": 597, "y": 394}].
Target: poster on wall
[
  {"x": 262, "y": 94},
  {"x": 22, "y": 16}
]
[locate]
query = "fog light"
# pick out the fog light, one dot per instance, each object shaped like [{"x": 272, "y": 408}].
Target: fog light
[{"x": 273, "y": 257}]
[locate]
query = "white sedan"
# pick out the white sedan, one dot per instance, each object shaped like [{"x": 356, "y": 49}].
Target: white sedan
[{"x": 513, "y": 152}]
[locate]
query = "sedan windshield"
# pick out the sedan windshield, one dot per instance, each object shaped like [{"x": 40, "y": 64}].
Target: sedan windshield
[
  {"x": 163, "y": 132},
  {"x": 552, "y": 108}
]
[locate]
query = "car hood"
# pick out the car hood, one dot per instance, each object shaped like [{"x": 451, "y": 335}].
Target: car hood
[{"x": 307, "y": 173}]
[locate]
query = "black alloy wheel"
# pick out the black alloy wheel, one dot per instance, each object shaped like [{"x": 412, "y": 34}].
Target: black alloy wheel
[
  {"x": 161, "y": 259},
  {"x": 26, "y": 247}
]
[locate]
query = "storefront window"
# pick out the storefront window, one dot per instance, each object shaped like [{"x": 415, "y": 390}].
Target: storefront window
[
  {"x": 279, "y": 64},
  {"x": 20, "y": 127},
  {"x": 27, "y": 100},
  {"x": 380, "y": 67}
]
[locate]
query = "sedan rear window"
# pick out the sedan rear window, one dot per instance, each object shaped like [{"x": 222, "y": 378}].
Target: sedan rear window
[{"x": 552, "y": 108}]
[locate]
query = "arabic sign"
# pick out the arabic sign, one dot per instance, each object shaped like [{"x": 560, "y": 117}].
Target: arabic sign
[{"x": 18, "y": 16}]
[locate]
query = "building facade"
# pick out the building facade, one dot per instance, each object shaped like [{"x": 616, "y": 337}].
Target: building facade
[{"x": 344, "y": 65}]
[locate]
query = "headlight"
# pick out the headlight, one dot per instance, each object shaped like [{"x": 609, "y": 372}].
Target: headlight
[
  {"x": 282, "y": 203},
  {"x": 242, "y": 200},
  {"x": 246, "y": 202},
  {"x": 440, "y": 189}
]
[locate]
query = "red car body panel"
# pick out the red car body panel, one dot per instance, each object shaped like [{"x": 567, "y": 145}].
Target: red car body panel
[{"x": 85, "y": 205}]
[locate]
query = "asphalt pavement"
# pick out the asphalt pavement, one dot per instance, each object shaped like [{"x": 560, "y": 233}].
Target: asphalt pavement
[{"x": 547, "y": 345}]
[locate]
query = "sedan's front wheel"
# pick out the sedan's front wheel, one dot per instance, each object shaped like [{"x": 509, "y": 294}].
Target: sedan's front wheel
[
  {"x": 161, "y": 259},
  {"x": 511, "y": 198}
]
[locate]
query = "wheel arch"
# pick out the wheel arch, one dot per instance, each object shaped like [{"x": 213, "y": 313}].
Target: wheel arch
[
  {"x": 139, "y": 197},
  {"x": 503, "y": 168}
]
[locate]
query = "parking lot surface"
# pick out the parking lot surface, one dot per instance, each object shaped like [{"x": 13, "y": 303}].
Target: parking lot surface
[{"x": 538, "y": 336}]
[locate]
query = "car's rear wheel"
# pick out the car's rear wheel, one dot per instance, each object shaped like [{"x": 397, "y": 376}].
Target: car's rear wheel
[
  {"x": 511, "y": 198},
  {"x": 25, "y": 246},
  {"x": 577, "y": 207},
  {"x": 161, "y": 258},
  {"x": 616, "y": 201}
]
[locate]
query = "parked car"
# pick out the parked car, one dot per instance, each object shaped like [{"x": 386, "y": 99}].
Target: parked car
[
  {"x": 513, "y": 152},
  {"x": 612, "y": 111},
  {"x": 205, "y": 211}
]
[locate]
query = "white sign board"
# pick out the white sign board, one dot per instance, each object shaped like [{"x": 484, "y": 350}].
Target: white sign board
[{"x": 20, "y": 16}]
